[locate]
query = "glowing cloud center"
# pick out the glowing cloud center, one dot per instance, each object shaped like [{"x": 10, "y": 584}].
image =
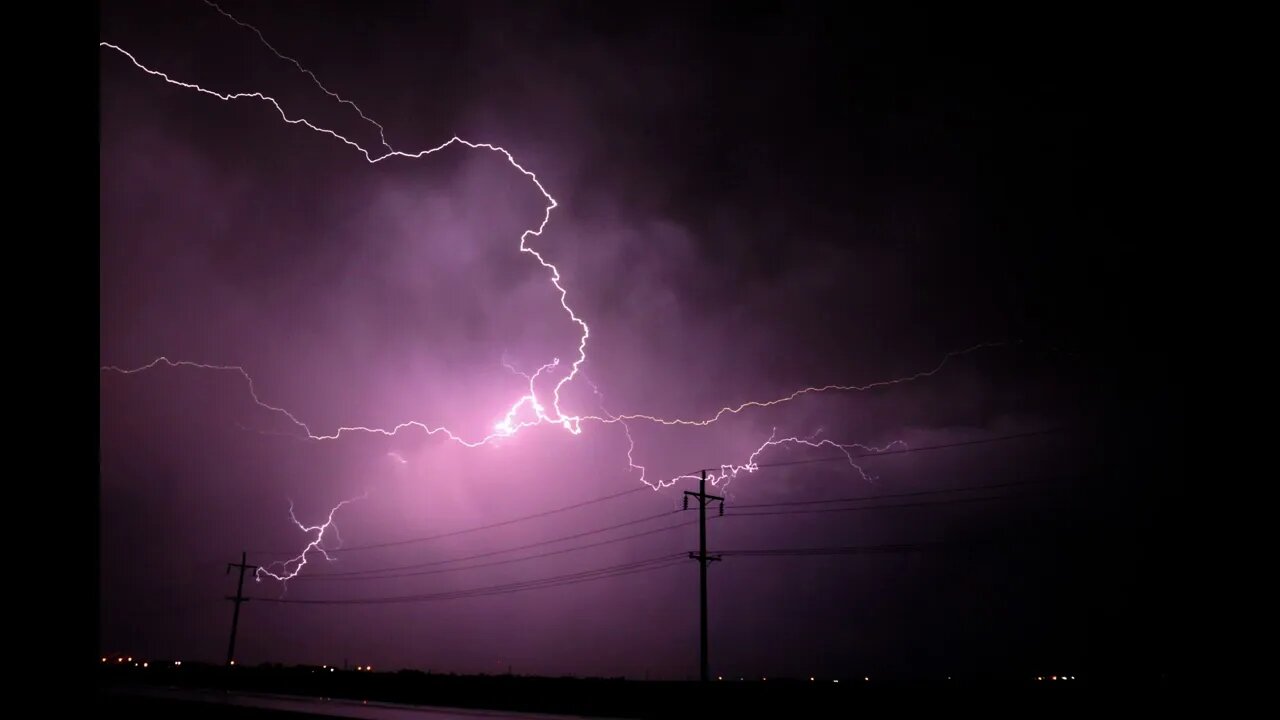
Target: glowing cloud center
[{"x": 534, "y": 409}]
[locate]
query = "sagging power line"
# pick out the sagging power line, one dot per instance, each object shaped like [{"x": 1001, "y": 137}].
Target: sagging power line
[
  {"x": 415, "y": 569},
  {"x": 654, "y": 563},
  {"x": 864, "y": 508},
  {"x": 614, "y": 496},
  {"x": 478, "y": 528},
  {"x": 491, "y": 553},
  {"x": 891, "y": 496},
  {"x": 648, "y": 564},
  {"x": 576, "y": 548}
]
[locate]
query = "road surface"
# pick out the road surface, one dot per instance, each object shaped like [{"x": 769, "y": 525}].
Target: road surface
[{"x": 331, "y": 707}]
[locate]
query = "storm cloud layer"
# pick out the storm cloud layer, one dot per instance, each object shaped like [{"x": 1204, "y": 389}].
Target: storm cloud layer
[{"x": 748, "y": 204}]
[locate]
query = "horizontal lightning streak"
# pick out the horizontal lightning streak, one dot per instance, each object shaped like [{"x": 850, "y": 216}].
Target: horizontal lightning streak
[{"x": 733, "y": 410}]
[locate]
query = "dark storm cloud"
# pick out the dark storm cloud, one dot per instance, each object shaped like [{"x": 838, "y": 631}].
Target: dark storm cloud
[{"x": 745, "y": 209}]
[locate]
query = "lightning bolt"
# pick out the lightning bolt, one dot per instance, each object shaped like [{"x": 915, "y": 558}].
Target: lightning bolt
[
  {"x": 735, "y": 409},
  {"x": 726, "y": 473},
  {"x": 289, "y": 569},
  {"x": 508, "y": 426},
  {"x": 631, "y": 442},
  {"x": 528, "y": 410},
  {"x": 382, "y": 133}
]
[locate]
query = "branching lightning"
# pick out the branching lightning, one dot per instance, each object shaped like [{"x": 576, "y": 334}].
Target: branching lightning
[
  {"x": 528, "y": 410},
  {"x": 284, "y": 570},
  {"x": 726, "y": 473}
]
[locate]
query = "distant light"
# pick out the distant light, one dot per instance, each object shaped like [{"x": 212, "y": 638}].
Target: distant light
[
  {"x": 104, "y": 659},
  {"x": 835, "y": 681},
  {"x": 948, "y": 677},
  {"x": 177, "y": 662},
  {"x": 719, "y": 677},
  {"x": 119, "y": 660},
  {"x": 233, "y": 662},
  {"x": 762, "y": 679},
  {"x": 144, "y": 664},
  {"x": 326, "y": 667},
  {"x": 130, "y": 659},
  {"x": 332, "y": 669},
  {"x": 1040, "y": 678},
  {"x": 810, "y": 679},
  {"x": 1073, "y": 677},
  {"x": 369, "y": 668},
  {"x": 866, "y": 679},
  {"x": 1053, "y": 677}
]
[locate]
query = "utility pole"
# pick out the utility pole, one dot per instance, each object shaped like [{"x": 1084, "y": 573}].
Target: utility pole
[
  {"x": 239, "y": 598},
  {"x": 703, "y": 559}
]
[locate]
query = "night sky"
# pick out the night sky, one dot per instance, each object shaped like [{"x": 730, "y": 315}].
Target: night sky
[{"x": 752, "y": 199}]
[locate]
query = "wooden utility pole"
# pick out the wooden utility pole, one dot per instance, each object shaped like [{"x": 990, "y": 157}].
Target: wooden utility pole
[
  {"x": 703, "y": 559},
  {"x": 239, "y": 598}
]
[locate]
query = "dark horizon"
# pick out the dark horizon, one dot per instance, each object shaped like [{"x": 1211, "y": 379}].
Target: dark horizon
[{"x": 748, "y": 202}]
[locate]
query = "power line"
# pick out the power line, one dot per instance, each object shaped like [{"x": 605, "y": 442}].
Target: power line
[
  {"x": 576, "y": 548},
  {"x": 369, "y": 574},
  {"x": 847, "y": 550},
  {"x": 653, "y": 563},
  {"x": 393, "y": 571},
  {"x": 491, "y": 553},
  {"x": 888, "y": 496},
  {"x": 605, "y": 498},
  {"x": 862, "y": 549},
  {"x": 925, "y": 503},
  {"x": 646, "y": 565},
  {"x": 478, "y": 528}
]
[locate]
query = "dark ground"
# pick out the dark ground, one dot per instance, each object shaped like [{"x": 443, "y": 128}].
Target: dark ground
[
  {"x": 630, "y": 699},
  {"x": 139, "y": 707}
]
